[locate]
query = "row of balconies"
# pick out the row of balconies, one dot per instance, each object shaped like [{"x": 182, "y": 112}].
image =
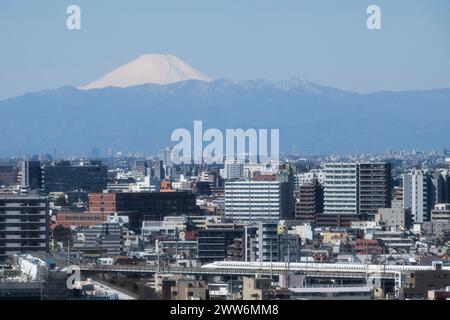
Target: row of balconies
[
  {"x": 343, "y": 204},
  {"x": 21, "y": 221},
  {"x": 251, "y": 196},
  {"x": 252, "y": 208},
  {"x": 252, "y": 205},
  {"x": 4, "y": 228},
  {"x": 373, "y": 195},
  {"x": 21, "y": 214},
  {"x": 340, "y": 200},
  {"x": 307, "y": 199},
  {"x": 373, "y": 202},
  {"x": 22, "y": 205},
  {"x": 20, "y": 237},
  {"x": 340, "y": 193},
  {"x": 22, "y": 245},
  {"x": 339, "y": 209}
]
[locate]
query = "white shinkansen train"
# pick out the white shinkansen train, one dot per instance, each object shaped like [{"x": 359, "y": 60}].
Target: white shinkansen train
[{"x": 336, "y": 267}]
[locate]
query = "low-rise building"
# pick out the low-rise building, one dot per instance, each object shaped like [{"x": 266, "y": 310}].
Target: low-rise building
[
  {"x": 394, "y": 217},
  {"x": 419, "y": 283},
  {"x": 190, "y": 290},
  {"x": 80, "y": 219},
  {"x": 261, "y": 289}
]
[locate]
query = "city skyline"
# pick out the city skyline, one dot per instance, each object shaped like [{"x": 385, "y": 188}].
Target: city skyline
[{"x": 246, "y": 156}]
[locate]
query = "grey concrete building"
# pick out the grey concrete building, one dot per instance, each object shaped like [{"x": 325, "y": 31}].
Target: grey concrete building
[{"x": 24, "y": 224}]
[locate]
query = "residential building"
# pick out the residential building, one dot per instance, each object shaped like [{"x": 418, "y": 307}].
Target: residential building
[
  {"x": 367, "y": 246},
  {"x": 185, "y": 289},
  {"x": 251, "y": 287},
  {"x": 418, "y": 283},
  {"x": 24, "y": 224},
  {"x": 439, "y": 188},
  {"x": 374, "y": 187},
  {"x": 416, "y": 195},
  {"x": 262, "y": 289},
  {"x": 341, "y": 188},
  {"x": 288, "y": 248},
  {"x": 251, "y": 201},
  {"x": 101, "y": 240},
  {"x": 308, "y": 201},
  {"x": 213, "y": 243},
  {"x": 441, "y": 212},
  {"x": 267, "y": 241},
  {"x": 308, "y": 178},
  {"x": 440, "y": 220},
  {"x": 337, "y": 220}
]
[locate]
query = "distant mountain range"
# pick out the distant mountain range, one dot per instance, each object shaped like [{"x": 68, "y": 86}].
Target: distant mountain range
[{"x": 311, "y": 117}]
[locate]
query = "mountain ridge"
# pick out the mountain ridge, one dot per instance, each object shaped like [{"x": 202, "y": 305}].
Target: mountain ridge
[{"x": 141, "y": 118}]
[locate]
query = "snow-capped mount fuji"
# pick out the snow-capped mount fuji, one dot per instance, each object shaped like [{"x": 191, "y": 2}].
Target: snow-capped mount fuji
[{"x": 149, "y": 69}]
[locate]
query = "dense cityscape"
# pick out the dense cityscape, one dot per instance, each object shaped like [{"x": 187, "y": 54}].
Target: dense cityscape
[
  {"x": 137, "y": 226},
  {"x": 204, "y": 159}
]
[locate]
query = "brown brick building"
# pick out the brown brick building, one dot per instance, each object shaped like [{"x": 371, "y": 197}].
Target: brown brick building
[
  {"x": 102, "y": 202},
  {"x": 140, "y": 206}
]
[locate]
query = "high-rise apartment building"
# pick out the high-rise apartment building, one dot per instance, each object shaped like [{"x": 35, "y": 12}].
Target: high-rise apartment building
[
  {"x": 24, "y": 224},
  {"x": 250, "y": 201},
  {"x": 416, "y": 186},
  {"x": 351, "y": 188},
  {"x": 341, "y": 188},
  {"x": 374, "y": 187},
  {"x": 439, "y": 187},
  {"x": 308, "y": 201}
]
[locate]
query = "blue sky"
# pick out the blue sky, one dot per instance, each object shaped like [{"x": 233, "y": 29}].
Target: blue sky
[{"x": 324, "y": 41}]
